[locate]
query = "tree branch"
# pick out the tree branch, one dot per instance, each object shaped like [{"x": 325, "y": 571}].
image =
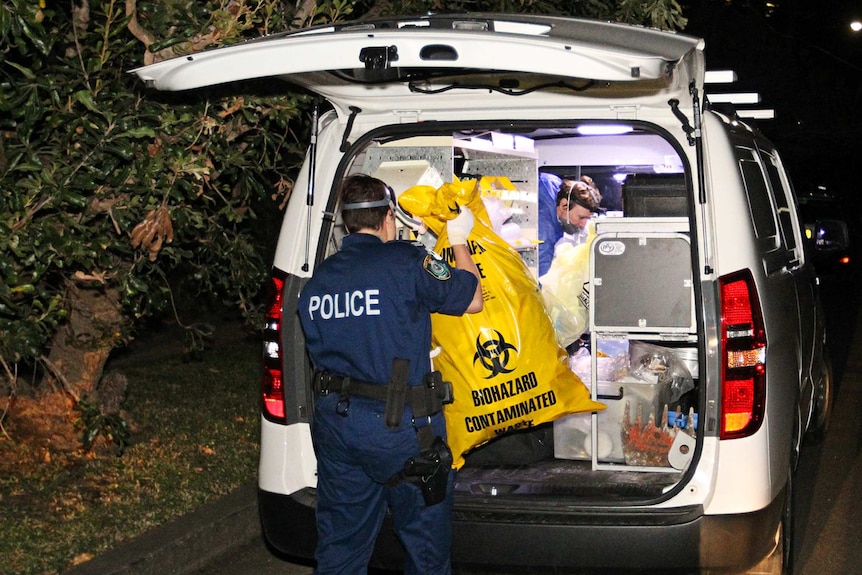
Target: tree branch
[
  {"x": 145, "y": 36},
  {"x": 58, "y": 374},
  {"x": 135, "y": 27},
  {"x": 19, "y": 224},
  {"x": 304, "y": 11}
]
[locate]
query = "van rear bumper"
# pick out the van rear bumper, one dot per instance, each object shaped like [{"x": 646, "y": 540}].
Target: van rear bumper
[{"x": 580, "y": 537}]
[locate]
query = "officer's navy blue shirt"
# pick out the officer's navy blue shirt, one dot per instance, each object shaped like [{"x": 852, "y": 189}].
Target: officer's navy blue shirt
[{"x": 371, "y": 302}]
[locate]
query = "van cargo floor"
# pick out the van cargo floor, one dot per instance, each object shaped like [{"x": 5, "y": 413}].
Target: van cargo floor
[{"x": 557, "y": 477}]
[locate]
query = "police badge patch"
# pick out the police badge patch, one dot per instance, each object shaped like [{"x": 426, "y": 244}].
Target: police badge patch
[{"x": 436, "y": 268}]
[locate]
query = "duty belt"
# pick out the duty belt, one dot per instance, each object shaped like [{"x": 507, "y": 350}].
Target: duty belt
[
  {"x": 426, "y": 399},
  {"x": 419, "y": 397},
  {"x": 326, "y": 383}
]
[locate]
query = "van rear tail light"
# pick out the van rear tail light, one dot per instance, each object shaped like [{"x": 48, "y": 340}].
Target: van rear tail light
[
  {"x": 272, "y": 388},
  {"x": 743, "y": 344}
]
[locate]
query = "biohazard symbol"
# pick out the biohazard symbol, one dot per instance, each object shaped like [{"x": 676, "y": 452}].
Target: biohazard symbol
[{"x": 494, "y": 354}]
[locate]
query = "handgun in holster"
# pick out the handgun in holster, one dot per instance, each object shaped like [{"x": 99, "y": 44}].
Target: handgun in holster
[{"x": 431, "y": 467}]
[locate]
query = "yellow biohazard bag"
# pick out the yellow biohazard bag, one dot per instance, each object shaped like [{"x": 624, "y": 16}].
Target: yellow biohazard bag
[
  {"x": 565, "y": 288},
  {"x": 506, "y": 368}
]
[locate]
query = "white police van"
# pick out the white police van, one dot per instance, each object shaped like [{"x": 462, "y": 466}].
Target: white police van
[{"x": 700, "y": 258}]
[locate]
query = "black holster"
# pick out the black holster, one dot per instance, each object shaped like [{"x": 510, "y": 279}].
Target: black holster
[
  {"x": 430, "y": 469},
  {"x": 426, "y": 399}
]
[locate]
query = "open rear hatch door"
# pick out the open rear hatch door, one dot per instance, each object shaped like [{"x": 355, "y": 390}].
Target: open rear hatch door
[{"x": 386, "y": 65}]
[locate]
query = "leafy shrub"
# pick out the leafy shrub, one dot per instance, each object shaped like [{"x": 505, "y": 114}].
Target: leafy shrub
[
  {"x": 110, "y": 189},
  {"x": 107, "y": 191}
]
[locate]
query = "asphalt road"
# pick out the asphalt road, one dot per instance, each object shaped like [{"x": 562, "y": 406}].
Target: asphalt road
[
  {"x": 828, "y": 508},
  {"x": 829, "y": 480}
]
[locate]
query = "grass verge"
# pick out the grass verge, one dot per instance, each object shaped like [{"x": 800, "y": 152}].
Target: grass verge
[{"x": 195, "y": 438}]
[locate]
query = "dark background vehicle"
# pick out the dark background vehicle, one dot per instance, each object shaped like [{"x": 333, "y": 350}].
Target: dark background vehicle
[{"x": 831, "y": 226}]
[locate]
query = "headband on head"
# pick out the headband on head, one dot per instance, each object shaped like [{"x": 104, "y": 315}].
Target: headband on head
[
  {"x": 386, "y": 201},
  {"x": 583, "y": 204},
  {"x": 576, "y": 200}
]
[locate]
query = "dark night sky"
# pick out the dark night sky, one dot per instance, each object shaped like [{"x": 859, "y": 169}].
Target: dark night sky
[{"x": 806, "y": 64}]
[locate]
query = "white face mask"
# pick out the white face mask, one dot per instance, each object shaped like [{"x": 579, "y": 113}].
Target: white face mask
[{"x": 569, "y": 227}]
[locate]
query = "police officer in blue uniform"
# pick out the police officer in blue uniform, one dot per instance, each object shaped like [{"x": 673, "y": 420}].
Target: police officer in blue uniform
[{"x": 366, "y": 318}]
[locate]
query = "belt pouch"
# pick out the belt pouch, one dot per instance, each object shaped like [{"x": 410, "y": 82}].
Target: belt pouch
[{"x": 396, "y": 392}]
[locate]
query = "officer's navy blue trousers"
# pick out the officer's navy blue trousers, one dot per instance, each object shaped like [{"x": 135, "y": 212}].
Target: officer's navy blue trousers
[{"x": 356, "y": 455}]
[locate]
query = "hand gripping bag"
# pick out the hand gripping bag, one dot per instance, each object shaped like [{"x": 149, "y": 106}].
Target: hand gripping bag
[{"x": 506, "y": 368}]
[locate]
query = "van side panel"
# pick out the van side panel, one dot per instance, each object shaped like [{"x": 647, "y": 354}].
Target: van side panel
[
  {"x": 742, "y": 483},
  {"x": 748, "y": 236}
]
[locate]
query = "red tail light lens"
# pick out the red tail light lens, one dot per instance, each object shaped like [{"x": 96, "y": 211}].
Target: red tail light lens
[
  {"x": 273, "y": 395},
  {"x": 272, "y": 387},
  {"x": 743, "y": 343}
]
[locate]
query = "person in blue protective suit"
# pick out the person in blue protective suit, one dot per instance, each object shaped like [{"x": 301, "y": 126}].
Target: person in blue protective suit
[
  {"x": 550, "y": 228},
  {"x": 577, "y": 202},
  {"x": 378, "y": 429},
  {"x": 565, "y": 206}
]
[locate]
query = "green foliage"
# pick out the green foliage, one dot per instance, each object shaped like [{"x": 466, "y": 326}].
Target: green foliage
[
  {"x": 663, "y": 14},
  {"x": 104, "y": 183},
  {"x": 94, "y": 423},
  {"x": 86, "y": 156}
]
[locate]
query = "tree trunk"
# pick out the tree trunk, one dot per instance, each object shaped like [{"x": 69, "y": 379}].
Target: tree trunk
[
  {"x": 79, "y": 350},
  {"x": 82, "y": 345}
]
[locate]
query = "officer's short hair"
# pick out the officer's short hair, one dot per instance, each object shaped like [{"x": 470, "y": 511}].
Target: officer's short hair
[{"x": 359, "y": 189}]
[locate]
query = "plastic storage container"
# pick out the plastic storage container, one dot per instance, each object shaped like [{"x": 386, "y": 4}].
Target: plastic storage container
[{"x": 573, "y": 435}]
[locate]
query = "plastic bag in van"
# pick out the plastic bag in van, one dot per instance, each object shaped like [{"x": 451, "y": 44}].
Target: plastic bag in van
[
  {"x": 506, "y": 368},
  {"x": 565, "y": 288}
]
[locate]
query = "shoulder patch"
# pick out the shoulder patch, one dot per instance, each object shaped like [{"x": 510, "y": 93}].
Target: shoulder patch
[{"x": 438, "y": 269}]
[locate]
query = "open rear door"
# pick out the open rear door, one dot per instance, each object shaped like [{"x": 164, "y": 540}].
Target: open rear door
[{"x": 392, "y": 64}]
